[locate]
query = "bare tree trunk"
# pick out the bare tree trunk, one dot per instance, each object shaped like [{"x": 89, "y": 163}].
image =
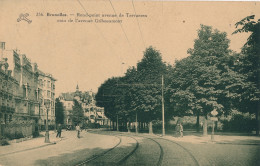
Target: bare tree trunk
[
  {"x": 128, "y": 127},
  {"x": 257, "y": 122},
  {"x": 198, "y": 122},
  {"x": 205, "y": 126},
  {"x": 150, "y": 127},
  {"x": 136, "y": 124}
]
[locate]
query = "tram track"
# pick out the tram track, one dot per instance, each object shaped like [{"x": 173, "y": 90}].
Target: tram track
[
  {"x": 121, "y": 162},
  {"x": 159, "y": 163},
  {"x": 185, "y": 149},
  {"x": 180, "y": 156},
  {"x": 101, "y": 158},
  {"x": 99, "y": 155}
]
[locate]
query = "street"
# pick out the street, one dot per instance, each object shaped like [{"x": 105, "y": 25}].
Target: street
[{"x": 98, "y": 147}]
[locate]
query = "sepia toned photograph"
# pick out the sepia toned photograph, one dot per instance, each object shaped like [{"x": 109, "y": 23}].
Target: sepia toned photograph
[{"x": 129, "y": 83}]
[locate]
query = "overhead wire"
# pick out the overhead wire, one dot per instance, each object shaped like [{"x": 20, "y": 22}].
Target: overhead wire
[
  {"x": 130, "y": 45},
  {"x": 102, "y": 35},
  {"x": 138, "y": 24}
]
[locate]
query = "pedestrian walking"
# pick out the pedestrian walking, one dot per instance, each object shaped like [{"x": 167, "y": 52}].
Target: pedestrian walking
[
  {"x": 59, "y": 129},
  {"x": 78, "y": 131},
  {"x": 181, "y": 130},
  {"x": 177, "y": 129}
]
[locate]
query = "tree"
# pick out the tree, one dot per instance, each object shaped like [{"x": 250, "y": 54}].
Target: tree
[
  {"x": 203, "y": 81},
  {"x": 59, "y": 112},
  {"x": 249, "y": 65},
  {"x": 77, "y": 112},
  {"x": 147, "y": 95},
  {"x": 138, "y": 93},
  {"x": 111, "y": 96}
]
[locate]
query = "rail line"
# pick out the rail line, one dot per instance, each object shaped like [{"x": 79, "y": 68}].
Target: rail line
[
  {"x": 99, "y": 155},
  {"x": 120, "y": 162},
  {"x": 154, "y": 139},
  {"x": 162, "y": 152},
  {"x": 131, "y": 153},
  {"x": 186, "y": 150},
  {"x": 159, "y": 163},
  {"x": 161, "y": 148}
]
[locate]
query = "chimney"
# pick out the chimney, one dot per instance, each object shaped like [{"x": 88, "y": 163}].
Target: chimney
[{"x": 2, "y": 48}]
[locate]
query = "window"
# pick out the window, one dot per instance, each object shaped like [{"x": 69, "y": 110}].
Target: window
[
  {"x": 24, "y": 92},
  {"x": 48, "y": 84},
  {"x": 10, "y": 118}
]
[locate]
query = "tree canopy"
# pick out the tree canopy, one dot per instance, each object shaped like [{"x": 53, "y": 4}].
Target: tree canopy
[
  {"x": 248, "y": 63},
  {"x": 59, "y": 112},
  {"x": 77, "y": 113}
]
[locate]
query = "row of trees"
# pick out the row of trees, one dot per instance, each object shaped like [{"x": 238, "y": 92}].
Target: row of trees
[{"x": 212, "y": 77}]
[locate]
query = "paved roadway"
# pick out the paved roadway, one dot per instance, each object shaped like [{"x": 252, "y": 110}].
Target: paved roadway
[{"x": 113, "y": 148}]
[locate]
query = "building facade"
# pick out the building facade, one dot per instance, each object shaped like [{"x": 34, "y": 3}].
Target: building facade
[
  {"x": 20, "y": 99},
  {"x": 8, "y": 94},
  {"x": 46, "y": 88},
  {"x": 92, "y": 113}
]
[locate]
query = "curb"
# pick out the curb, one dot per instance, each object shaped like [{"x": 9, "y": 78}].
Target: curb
[
  {"x": 36, "y": 147},
  {"x": 230, "y": 143},
  {"x": 26, "y": 149}
]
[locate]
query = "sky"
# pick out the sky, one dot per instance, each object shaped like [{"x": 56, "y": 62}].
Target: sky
[{"x": 88, "y": 53}]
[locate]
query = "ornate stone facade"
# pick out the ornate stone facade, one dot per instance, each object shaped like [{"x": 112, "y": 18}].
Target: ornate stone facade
[{"x": 21, "y": 97}]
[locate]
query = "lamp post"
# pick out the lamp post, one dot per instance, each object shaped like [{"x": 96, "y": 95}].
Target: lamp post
[
  {"x": 47, "y": 106},
  {"x": 163, "y": 123}
]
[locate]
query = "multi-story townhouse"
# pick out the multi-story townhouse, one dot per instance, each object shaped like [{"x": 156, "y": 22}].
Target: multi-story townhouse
[
  {"x": 47, "y": 97},
  {"x": 25, "y": 73},
  {"x": 21, "y": 97},
  {"x": 8, "y": 92}
]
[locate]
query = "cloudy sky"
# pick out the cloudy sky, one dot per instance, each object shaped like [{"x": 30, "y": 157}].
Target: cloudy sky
[{"x": 90, "y": 53}]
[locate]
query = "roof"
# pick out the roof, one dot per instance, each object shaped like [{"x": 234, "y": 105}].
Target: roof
[{"x": 68, "y": 96}]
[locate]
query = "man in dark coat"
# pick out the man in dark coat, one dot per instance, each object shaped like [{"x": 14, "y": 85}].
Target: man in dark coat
[{"x": 59, "y": 131}]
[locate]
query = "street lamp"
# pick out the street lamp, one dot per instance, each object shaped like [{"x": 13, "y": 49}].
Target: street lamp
[
  {"x": 163, "y": 123},
  {"x": 47, "y": 106}
]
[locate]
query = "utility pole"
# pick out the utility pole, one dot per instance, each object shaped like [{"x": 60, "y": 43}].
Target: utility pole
[{"x": 163, "y": 129}]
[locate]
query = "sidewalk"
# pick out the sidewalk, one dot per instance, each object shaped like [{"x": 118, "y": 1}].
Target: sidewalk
[
  {"x": 67, "y": 150},
  {"x": 29, "y": 144},
  {"x": 218, "y": 139}
]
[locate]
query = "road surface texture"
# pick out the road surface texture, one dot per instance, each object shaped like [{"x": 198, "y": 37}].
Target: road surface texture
[{"x": 104, "y": 148}]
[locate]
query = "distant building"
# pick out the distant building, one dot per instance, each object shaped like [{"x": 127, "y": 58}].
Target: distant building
[
  {"x": 67, "y": 100},
  {"x": 93, "y": 113}
]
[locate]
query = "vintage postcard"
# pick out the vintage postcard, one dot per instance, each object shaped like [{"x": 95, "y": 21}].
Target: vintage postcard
[{"x": 129, "y": 82}]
